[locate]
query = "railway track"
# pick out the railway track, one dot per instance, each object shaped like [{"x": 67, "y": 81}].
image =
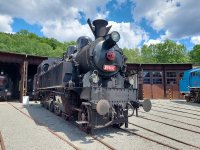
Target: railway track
[
  {"x": 175, "y": 114},
  {"x": 60, "y": 137},
  {"x": 51, "y": 131},
  {"x": 104, "y": 143},
  {"x": 150, "y": 139},
  {"x": 170, "y": 125},
  {"x": 190, "y": 104},
  {"x": 125, "y": 130},
  {"x": 177, "y": 107},
  {"x": 177, "y": 110},
  {"x": 172, "y": 120},
  {"x": 171, "y": 138},
  {"x": 2, "y": 142}
]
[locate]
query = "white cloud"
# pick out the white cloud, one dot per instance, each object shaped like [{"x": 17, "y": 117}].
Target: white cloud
[
  {"x": 195, "y": 40},
  {"x": 131, "y": 35},
  {"x": 153, "y": 41},
  {"x": 66, "y": 31},
  {"x": 102, "y": 15},
  {"x": 179, "y": 18},
  {"x": 5, "y": 23},
  {"x": 60, "y": 19},
  {"x": 57, "y": 17},
  {"x": 37, "y": 11}
]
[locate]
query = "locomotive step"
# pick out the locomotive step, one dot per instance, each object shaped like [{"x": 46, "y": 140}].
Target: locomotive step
[{"x": 82, "y": 122}]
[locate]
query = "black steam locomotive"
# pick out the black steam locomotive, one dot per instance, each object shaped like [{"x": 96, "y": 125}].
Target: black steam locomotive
[
  {"x": 89, "y": 84},
  {"x": 5, "y": 87}
]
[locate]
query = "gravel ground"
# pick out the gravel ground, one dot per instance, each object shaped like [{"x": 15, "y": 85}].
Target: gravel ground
[
  {"x": 61, "y": 127},
  {"x": 126, "y": 141},
  {"x": 179, "y": 103},
  {"x": 20, "y": 132},
  {"x": 108, "y": 135},
  {"x": 186, "y": 136},
  {"x": 160, "y": 138},
  {"x": 184, "y": 116},
  {"x": 179, "y": 118}
]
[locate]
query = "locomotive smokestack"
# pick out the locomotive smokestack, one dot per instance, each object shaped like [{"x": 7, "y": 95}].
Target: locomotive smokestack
[{"x": 99, "y": 28}]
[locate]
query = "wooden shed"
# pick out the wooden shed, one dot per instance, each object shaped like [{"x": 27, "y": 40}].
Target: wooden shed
[
  {"x": 21, "y": 69},
  {"x": 160, "y": 81}
]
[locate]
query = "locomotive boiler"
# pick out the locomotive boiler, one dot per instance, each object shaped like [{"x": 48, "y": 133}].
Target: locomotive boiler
[{"x": 89, "y": 85}]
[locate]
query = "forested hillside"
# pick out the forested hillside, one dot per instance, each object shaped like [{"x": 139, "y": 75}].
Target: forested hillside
[
  {"x": 29, "y": 43},
  {"x": 166, "y": 52}
]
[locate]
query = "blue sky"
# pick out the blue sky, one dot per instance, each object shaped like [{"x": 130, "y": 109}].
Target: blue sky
[{"x": 138, "y": 21}]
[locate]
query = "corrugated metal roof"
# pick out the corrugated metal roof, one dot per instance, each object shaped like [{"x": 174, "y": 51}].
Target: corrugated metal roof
[
  {"x": 21, "y": 54},
  {"x": 10, "y": 57}
]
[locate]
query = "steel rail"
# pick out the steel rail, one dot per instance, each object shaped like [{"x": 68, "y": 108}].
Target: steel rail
[
  {"x": 2, "y": 142},
  {"x": 176, "y": 107},
  {"x": 176, "y": 110},
  {"x": 104, "y": 143},
  {"x": 170, "y": 125},
  {"x": 175, "y": 114},
  {"x": 71, "y": 144},
  {"x": 172, "y": 119},
  {"x": 150, "y": 139},
  {"x": 51, "y": 131},
  {"x": 171, "y": 138}
]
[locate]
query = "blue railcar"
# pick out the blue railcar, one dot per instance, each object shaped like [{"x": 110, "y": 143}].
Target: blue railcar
[{"x": 190, "y": 85}]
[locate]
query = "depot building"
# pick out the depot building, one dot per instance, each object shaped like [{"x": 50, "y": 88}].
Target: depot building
[
  {"x": 20, "y": 68},
  {"x": 155, "y": 81}
]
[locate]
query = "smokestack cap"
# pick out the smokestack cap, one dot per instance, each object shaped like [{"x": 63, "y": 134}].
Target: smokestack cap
[{"x": 100, "y": 27}]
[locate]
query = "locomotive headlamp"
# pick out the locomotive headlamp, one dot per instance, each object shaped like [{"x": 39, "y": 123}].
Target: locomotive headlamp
[
  {"x": 8, "y": 93},
  {"x": 115, "y": 36},
  {"x": 6, "y": 90},
  {"x": 131, "y": 80}
]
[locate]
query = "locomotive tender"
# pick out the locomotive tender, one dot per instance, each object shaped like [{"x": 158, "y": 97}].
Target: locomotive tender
[
  {"x": 190, "y": 85},
  {"x": 89, "y": 84}
]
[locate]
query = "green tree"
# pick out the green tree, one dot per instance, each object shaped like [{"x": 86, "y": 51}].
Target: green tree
[
  {"x": 29, "y": 43},
  {"x": 166, "y": 52},
  {"x": 3, "y": 46},
  {"x": 133, "y": 55},
  {"x": 194, "y": 54},
  {"x": 148, "y": 54},
  {"x": 170, "y": 52}
]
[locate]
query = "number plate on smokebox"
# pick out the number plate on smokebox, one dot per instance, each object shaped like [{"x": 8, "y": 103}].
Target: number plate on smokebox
[{"x": 109, "y": 67}]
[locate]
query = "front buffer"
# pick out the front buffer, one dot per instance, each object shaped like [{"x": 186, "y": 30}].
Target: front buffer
[{"x": 102, "y": 107}]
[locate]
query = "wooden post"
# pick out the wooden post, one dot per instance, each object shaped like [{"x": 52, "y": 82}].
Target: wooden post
[
  {"x": 170, "y": 94},
  {"x": 23, "y": 82},
  {"x": 143, "y": 93}
]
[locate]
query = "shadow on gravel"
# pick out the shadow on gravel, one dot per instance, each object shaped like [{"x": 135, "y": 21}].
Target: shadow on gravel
[
  {"x": 186, "y": 103},
  {"x": 45, "y": 118},
  {"x": 113, "y": 132}
]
